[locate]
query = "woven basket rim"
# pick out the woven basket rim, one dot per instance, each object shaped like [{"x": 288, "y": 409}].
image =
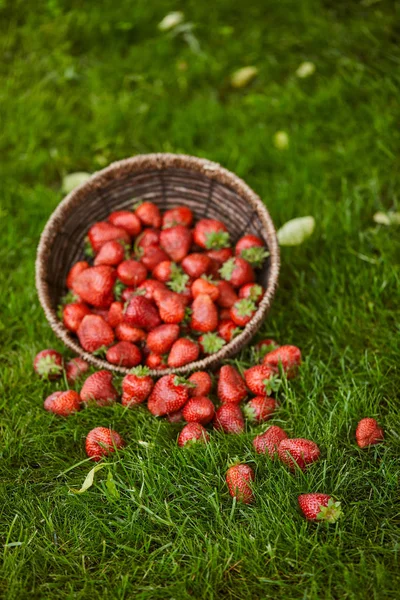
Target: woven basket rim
[{"x": 142, "y": 163}]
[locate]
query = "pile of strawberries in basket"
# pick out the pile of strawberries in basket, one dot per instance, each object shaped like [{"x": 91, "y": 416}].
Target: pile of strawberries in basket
[{"x": 161, "y": 290}]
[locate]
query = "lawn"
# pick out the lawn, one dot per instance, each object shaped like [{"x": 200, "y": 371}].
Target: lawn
[{"x": 81, "y": 87}]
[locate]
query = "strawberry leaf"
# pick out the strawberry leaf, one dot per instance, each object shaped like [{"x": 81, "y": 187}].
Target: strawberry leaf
[
  {"x": 227, "y": 269},
  {"x": 296, "y": 231},
  {"x": 140, "y": 371},
  {"x": 245, "y": 307},
  {"x": 179, "y": 380},
  {"x": 272, "y": 385},
  {"x": 118, "y": 289},
  {"x": 216, "y": 240},
  {"x": 211, "y": 343},
  {"x": 330, "y": 513},
  {"x": 88, "y": 250},
  {"x": 255, "y": 255},
  {"x": 178, "y": 280},
  {"x": 100, "y": 352}
]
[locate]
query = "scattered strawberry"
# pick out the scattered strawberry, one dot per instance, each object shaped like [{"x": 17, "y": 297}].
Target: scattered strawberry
[
  {"x": 204, "y": 314},
  {"x": 204, "y": 286},
  {"x": 196, "y": 264},
  {"x": 94, "y": 333},
  {"x": 127, "y": 220},
  {"x": 76, "y": 270},
  {"x": 260, "y": 409},
  {"x": 95, "y": 286},
  {"x": 209, "y": 233},
  {"x": 237, "y": 271},
  {"x": 127, "y": 333},
  {"x": 252, "y": 291},
  {"x": 48, "y": 364},
  {"x": 231, "y": 387},
  {"x": 73, "y": 315},
  {"x": 102, "y": 441},
  {"x": 181, "y": 215},
  {"x": 75, "y": 368},
  {"x": 210, "y": 343},
  {"x": 229, "y": 418},
  {"x": 149, "y": 214},
  {"x": 98, "y": 388},
  {"x": 227, "y": 330},
  {"x": 124, "y": 354},
  {"x": 103, "y": 232},
  {"x": 368, "y": 433},
  {"x": 142, "y": 313},
  {"x": 242, "y": 312},
  {"x": 183, "y": 351},
  {"x": 298, "y": 451},
  {"x": 111, "y": 253},
  {"x": 319, "y": 507},
  {"x": 227, "y": 295},
  {"x": 176, "y": 241},
  {"x": 239, "y": 479},
  {"x": 161, "y": 339},
  {"x": 289, "y": 357},
  {"x": 202, "y": 384},
  {"x": 63, "y": 403},
  {"x": 199, "y": 409},
  {"x": 193, "y": 433},
  {"x": 169, "y": 394},
  {"x": 269, "y": 441},
  {"x": 136, "y": 386},
  {"x": 261, "y": 380}
]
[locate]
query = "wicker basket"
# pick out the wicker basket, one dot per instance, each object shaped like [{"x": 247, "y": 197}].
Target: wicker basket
[{"x": 167, "y": 180}]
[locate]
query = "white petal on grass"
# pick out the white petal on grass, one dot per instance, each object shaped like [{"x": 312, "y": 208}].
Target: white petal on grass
[
  {"x": 88, "y": 479},
  {"x": 281, "y": 140},
  {"x": 391, "y": 218},
  {"x": 242, "y": 77},
  {"x": 73, "y": 180},
  {"x": 171, "y": 20},
  {"x": 296, "y": 231},
  {"x": 305, "y": 70}
]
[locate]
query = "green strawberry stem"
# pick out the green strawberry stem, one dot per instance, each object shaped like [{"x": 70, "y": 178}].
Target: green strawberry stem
[
  {"x": 178, "y": 280},
  {"x": 216, "y": 240},
  {"x": 255, "y": 255},
  {"x": 140, "y": 371},
  {"x": 212, "y": 342},
  {"x": 330, "y": 513},
  {"x": 227, "y": 269},
  {"x": 272, "y": 385},
  {"x": 118, "y": 289},
  {"x": 245, "y": 307},
  {"x": 88, "y": 250}
]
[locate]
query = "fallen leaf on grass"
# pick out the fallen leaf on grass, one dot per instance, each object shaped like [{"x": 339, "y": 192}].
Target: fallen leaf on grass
[
  {"x": 171, "y": 20},
  {"x": 296, "y": 231},
  {"x": 305, "y": 70},
  {"x": 391, "y": 218},
  {"x": 71, "y": 181},
  {"x": 281, "y": 140},
  {"x": 89, "y": 479},
  {"x": 242, "y": 77}
]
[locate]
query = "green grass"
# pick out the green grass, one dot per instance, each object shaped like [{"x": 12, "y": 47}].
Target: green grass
[{"x": 82, "y": 87}]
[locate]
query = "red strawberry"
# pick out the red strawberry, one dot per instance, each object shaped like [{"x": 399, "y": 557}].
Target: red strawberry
[
  {"x": 319, "y": 507},
  {"x": 229, "y": 418},
  {"x": 95, "y": 286},
  {"x": 115, "y": 314},
  {"x": 247, "y": 241},
  {"x": 242, "y": 312},
  {"x": 127, "y": 220},
  {"x": 237, "y": 271},
  {"x": 49, "y": 364},
  {"x": 149, "y": 237},
  {"x": 196, "y": 264},
  {"x": 161, "y": 339},
  {"x": 176, "y": 241},
  {"x": 210, "y": 343},
  {"x": 149, "y": 287},
  {"x": 239, "y": 479},
  {"x": 368, "y": 433},
  {"x": 224, "y": 314},
  {"x": 287, "y": 356},
  {"x": 162, "y": 272},
  {"x": 124, "y": 354},
  {"x": 198, "y": 410},
  {"x": 204, "y": 314},
  {"x": 63, "y": 403},
  {"x": 260, "y": 379},
  {"x": 204, "y": 286},
  {"x": 142, "y": 313},
  {"x": 298, "y": 451},
  {"x": 94, "y": 333},
  {"x": 101, "y": 312},
  {"x": 220, "y": 256},
  {"x": 75, "y": 368},
  {"x": 202, "y": 384},
  {"x": 171, "y": 306},
  {"x": 260, "y": 409},
  {"x": 98, "y": 388},
  {"x": 181, "y": 215},
  {"x": 231, "y": 387},
  {"x": 73, "y": 315},
  {"x": 103, "y": 232},
  {"x": 102, "y": 441},
  {"x": 252, "y": 248},
  {"x": 127, "y": 294},
  {"x": 252, "y": 291},
  {"x": 175, "y": 417},
  {"x": 209, "y": 233},
  {"x": 132, "y": 273},
  {"x": 126, "y": 333},
  {"x": 149, "y": 214},
  {"x": 155, "y": 361},
  {"x": 111, "y": 253},
  {"x": 169, "y": 394},
  {"x": 136, "y": 387},
  {"x": 227, "y": 295},
  {"x": 76, "y": 270},
  {"x": 269, "y": 441},
  {"x": 267, "y": 345},
  {"x": 227, "y": 330},
  {"x": 152, "y": 256},
  {"x": 193, "y": 433},
  {"x": 183, "y": 352}
]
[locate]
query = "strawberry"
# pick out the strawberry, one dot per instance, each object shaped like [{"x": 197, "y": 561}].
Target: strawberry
[
  {"x": 48, "y": 364},
  {"x": 289, "y": 357},
  {"x": 229, "y": 418},
  {"x": 252, "y": 248},
  {"x": 175, "y": 417},
  {"x": 126, "y": 293},
  {"x": 298, "y": 451},
  {"x": 239, "y": 478},
  {"x": 231, "y": 387},
  {"x": 103, "y": 232},
  {"x": 260, "y": 409},
  {"x": 162, "y": 272},
  {"x": 149, "y": 214},
  {"x": 126, "y": 333},
  {"x": 227, "y": 295},
  {"x": 101, "y": 312},
  {"x": 227, "y": 330},
  {"x": 248, "y": 241},
  {"x": 181, "y": 215},
  {"x": 269, "y": 441},
  {"x": 368, "y": 433},
  {"x": 319, "y": 507},
  {"x": 202, "y": 384},
  {"x": 220, "y": 256},
  {"x": 204, "y": 286},
  {"x": 224, "y": 314},
  {"x": 171, "y": 306},
  {"x": 124, "y": 354},
  {"x": 75, "y": 368},
  {"x": 183, "y": 352},
  {"x": 267, "y": 345},
  {"x": 76, "y": 270},
  {"x": 260, "y": 380},
  {"x": 196, "y": 264},
  {"x": 209, "y": 233},
  {"x": 73, "y": 315},
  {"x": 150, "y": 286},
  {"x": 142, "y": 313},
  {"x": 115, "y": 314},
  {"x": 132, "y": 273},
  {"x": 127, "y": 220},
  {"x": 152, "y": 256},
  {"x": 111, "y": 253},
  {"x": 94, "y": 333},
  {"x": 204, "y": 314},
  {"x": 169, "y": 394},
  {"x": 136, "y": 386},
  {"x": 193, "y": 433},
  {"x": 98, "y": 388},
  {"x": 149, "y": 237},
  {"x": 63, "y": 403},
  {"x": 237, "y": 271},
  {"x": 198, "y": 410},
  {"x": 242, "y": 312},
  {"x": 155, "y": 361},
  {"x": 176, "y": 241},
  {"x": 102, "y": 441},
  {"x": 252, "y": 291},
  {"x": 210, "y": 343},
  {"x": 161, "y": 339},
  {"x": 95, "y": 286}
]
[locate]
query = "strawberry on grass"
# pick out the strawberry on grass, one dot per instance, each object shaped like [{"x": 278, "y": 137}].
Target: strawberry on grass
[
  {"x": 75, "y": 368},
  {"x": 101, "y": 442},
  {"x": 48, "y": 364},
  {"x": 136, "y": 386},
  {"x": 99, "y": 389},
  {"x": 286, "y": 357},
  {"x": 231, "y": 387},
  {"x": 269, "y": 441},
  {"x": 368, "y": 433},
  {"x": 298, "y": 451},
  {"x": 319, "y": 507},
  {"x": 229, "y": 418},
  {"x": 63, "y": 404},
  {"x": 170, "y": 393},
  {"x": 193, "y": 433},
  {"x": 261, "y": 380},
  {"x": 239, "y": 479},
  {"x": 260, "y": 409},
  {"x": 199, "y": 409}
]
